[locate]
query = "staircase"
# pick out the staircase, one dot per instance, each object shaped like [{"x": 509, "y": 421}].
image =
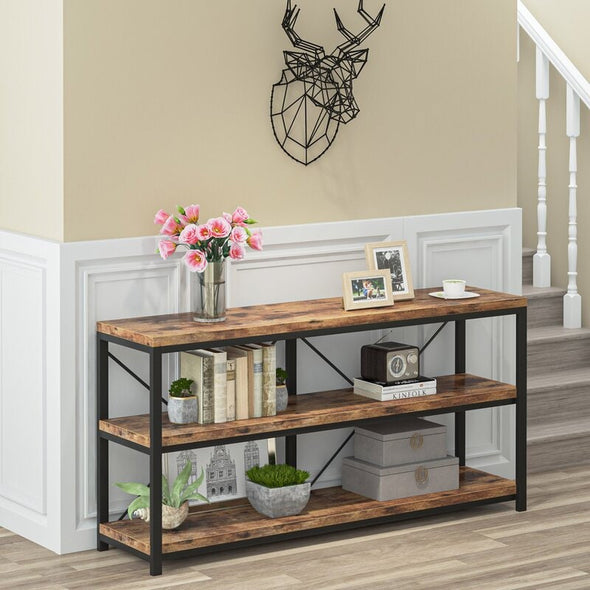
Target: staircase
[{"x": 558, "y": 380}]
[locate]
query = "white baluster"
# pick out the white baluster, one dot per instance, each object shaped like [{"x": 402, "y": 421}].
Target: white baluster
[
  {"x": 542, "y": 259},
  {"x": 572, "y": 301}
]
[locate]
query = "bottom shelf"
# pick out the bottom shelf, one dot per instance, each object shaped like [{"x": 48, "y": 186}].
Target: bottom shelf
[{"x": 229, "y": 522}]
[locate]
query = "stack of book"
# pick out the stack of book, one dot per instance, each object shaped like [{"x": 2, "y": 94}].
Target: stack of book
[
  {"x": 399, "y": 390},
  {"x": 232, "y": 383}
]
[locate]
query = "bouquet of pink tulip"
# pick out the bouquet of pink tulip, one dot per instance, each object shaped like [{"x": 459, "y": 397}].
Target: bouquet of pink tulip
[{"x": 213, "y": 241}]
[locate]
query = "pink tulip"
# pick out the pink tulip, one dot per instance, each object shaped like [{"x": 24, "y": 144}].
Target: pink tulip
[
  {"x": 219, "y": 227},
  {"x": 239, "y": 215},
  {"x": 255, "y": 241},
  {"x": 238, "y": 234},
  {"x": 170, "y": 227},
  {"x": 203, "y": 232},
  {"x": 189, "y": 235},
  {"x": 166, "y": 247},
  {"x": 191, "y": 213},
  {"x": 236, "y": 251},
  {"x": 195, "y": 260},
  {"x": 161, "y": 217}
]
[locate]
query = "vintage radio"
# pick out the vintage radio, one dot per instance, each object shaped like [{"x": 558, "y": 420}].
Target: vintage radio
[{"x": 389, "y": 362}]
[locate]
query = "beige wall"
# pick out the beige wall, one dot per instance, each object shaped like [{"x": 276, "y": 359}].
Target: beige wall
[
  {"x": 166, "y": 102},
  {"x": 567, "y": 23},
  {"x": 557, "y": 174},
  {"x": 31, "y": 117}
]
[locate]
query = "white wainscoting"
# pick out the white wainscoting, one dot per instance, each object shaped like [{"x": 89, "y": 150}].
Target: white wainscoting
[{"x": 120, "y": 278}]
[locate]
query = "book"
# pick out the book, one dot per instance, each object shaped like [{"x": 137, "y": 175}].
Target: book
[
  {"x": 219, "y": 384},
  {"x": 231, "y": 390},
  {"x": 199, "y": 368},
  {"x": 378, "y": 387},
  {"x": 269, "y": 380},
  {"x": 394, "y": 395},
  {"x": 240, "y": 358},
  {"x": 254, "y": 352}
]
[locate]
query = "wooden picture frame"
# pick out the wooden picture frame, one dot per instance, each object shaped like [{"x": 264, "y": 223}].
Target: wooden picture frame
[
  {"x": 394, "y": 257},
  {"x": 366, "y": 288}
]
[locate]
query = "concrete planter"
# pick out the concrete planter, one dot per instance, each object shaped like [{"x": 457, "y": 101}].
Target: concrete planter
[
  {"x": 277, "y": 502},
  {"x": 183, "y": 410},
  {"x": 282, "y": 398}
]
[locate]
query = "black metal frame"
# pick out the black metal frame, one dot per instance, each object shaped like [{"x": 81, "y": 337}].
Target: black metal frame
[{"x": 155, "y": 450}]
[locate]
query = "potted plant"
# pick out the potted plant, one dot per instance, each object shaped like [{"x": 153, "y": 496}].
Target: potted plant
[
  {"x": 277, "y": 490},
  {"x": 182, "y": 402},
  {"x": 174, "y": 501},
  {"x": 282, "y": 393}
]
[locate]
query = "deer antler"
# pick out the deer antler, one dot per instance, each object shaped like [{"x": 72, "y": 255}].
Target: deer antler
[
  {"x": 354, "y": 40},
  {"x": 289, "y": 21}
]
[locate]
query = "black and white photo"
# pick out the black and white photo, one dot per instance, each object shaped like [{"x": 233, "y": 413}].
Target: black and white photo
[{"x": 392, "y": 256}]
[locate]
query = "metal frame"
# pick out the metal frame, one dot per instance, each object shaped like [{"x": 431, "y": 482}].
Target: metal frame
[{"x": 155, "y": 450}]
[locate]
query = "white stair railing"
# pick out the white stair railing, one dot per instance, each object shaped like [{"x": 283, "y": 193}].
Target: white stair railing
[{"x": 578, "y": 89}]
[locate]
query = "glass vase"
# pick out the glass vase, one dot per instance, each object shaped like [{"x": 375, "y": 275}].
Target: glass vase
[{"x": 208, "y": 293}]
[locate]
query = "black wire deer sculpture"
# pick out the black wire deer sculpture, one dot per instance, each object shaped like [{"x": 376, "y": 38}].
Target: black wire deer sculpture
[{"x": 314, "y": 94}]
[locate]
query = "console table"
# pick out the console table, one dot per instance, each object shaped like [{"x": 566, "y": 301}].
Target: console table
[{"x": 233, "y": 523}]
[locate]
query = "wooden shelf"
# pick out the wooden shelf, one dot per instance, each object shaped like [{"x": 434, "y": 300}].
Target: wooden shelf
[
  {"x": 303, "y": 317},
  {"x": 228, "y": 522},
  {"x": 314, "y": 411}
]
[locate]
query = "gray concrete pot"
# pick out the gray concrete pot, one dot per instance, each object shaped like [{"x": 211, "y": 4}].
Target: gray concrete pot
[
  {"x": 183, "y": 410},
  {"x": 282, "y": 398},
  {"x": 277, "y": 502}
]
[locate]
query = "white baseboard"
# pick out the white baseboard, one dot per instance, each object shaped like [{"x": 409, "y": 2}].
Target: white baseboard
[{"x": 88, "y": 281}]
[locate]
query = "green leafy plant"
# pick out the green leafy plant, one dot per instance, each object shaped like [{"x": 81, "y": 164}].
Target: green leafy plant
[
  {"x": 181, "y": 388},
  {"x": 276, "y": 476},
  {"x": 175, "y": 497},
  {"x": 281, "y": 376}
]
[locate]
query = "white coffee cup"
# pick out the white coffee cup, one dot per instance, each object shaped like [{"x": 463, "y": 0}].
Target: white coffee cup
[{"x": 453, "y": 287}]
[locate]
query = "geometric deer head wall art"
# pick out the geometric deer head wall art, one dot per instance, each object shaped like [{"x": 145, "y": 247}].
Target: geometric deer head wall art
[{"x": 314, "y": 95}]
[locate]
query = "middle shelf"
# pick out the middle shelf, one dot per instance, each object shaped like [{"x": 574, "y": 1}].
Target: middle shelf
[{"x": 312, "y": 412}]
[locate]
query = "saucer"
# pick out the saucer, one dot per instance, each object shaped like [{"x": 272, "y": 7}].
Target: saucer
[{"x": 466, "y": 295}]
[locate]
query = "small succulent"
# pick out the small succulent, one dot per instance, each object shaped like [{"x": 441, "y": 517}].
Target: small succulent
[
  {"x": 276, "y": 476},
  {"x": 175, "y": 497},
  {"x": 281, "y": 376},
  {"x": 181, "y": 387}
]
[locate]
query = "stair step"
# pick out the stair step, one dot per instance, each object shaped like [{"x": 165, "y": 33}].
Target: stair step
[
  {"x": 558, "y": 444},
  {"x": 545, "y": 305},
  {"x": 563, "y": 395},
  {"x": 527, "y": 266},
  {"x": 552, "y": 348}
]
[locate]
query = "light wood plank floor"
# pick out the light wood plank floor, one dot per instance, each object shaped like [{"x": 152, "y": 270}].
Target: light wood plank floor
[{"x": 488, "y": 548}]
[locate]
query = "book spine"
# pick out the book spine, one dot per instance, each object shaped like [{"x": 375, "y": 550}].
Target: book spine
[
  {"x": 206, "y": 392},
  {"x": 257, "y": 384},
  {"x": 396, "y": 395},
  {"x": 242, "y": 411},
  {"x": 383, "y": 389},
  {"x": 231, "y": 390},
  {"x": 269, "y": 381},
  {"x": 220, "y": 388}
]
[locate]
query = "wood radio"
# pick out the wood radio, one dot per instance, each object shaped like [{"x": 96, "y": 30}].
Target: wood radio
[{"x": 390, "y": 362}]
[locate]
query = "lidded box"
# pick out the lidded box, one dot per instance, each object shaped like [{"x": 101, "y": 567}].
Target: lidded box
[
  {"x": 400, "y": 439},
  {"x": 400, "y": 481}
]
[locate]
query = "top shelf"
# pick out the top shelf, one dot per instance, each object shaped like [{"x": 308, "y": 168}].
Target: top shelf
[{"x": 319, "y": 316}]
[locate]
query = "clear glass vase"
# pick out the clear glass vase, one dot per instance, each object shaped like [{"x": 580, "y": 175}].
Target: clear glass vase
[{"x": 208, "y": 293}]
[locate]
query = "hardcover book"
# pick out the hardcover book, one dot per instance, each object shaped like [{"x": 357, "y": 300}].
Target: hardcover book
[
  {"x": 254, "y": 352},
  {"x": 199, "y": 368},
  {"x": 219, "y": 384},
  {"x": 231, "y": 390},
  {"x": 269, "y": 380},
  {"x": 384, "y": 397},
  {"x": 378, "y": 387},
  {"x": 240, "y": 358}
]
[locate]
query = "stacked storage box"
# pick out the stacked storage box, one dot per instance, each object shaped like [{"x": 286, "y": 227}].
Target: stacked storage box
[{"x": 398, "y": 457}]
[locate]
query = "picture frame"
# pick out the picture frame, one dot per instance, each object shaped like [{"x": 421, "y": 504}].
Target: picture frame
[
  {"x": 394, "y": 257},
  {"x": 363, "y": 289},
  {"x": 224, "y": 466}
]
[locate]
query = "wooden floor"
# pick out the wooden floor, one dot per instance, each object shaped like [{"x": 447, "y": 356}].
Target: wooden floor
[{"x": 488, "y": 548}]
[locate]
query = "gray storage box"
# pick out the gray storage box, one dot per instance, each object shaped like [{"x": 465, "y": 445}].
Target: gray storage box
[
  {"x": 400, "y": 439},
  {"x": 400, "y": 481}
]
